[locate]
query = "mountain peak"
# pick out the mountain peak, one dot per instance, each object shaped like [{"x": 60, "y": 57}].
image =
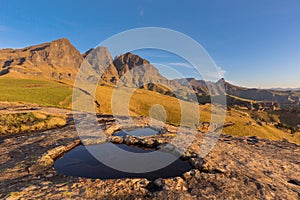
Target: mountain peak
[
  {"x": 57, "y": 59},
  {"x": 128, "y": 61},
  {"x": 131, "y": 60},
  {"x": 222, "y": 80},
  {"x": 61, "y": 40},
  {"x": 99, "y": 57}
]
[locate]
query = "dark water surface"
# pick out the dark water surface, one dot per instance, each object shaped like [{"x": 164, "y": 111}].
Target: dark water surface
[
  {"x": 80, "y": 163},
  {"x": 137, "y": 132}
]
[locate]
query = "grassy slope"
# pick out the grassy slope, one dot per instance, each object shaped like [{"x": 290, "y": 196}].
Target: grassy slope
[
  {"x": 42, "y": 92},
  {"x": 27, "y": 122},
  {"x": 50, "y": 93},
  {"x": 142, "y": 100},
  {"x": 266, "y": 131}
]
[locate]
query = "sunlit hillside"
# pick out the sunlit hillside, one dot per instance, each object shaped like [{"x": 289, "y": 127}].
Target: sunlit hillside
[{"x": 142, "y": 102}]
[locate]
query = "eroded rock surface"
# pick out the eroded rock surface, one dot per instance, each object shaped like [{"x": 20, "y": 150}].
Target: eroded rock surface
[{"x": 243, "y": 168}]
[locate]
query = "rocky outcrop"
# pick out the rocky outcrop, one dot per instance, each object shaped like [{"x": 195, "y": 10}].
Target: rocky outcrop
[
  {"x": 102, "y": 64},
  {"x": 58, "y": 59},
  {"x": 47, "y": 160},
  {"x": 236, "y": 168},
  {"x": 124, "y": 63},
  {"x": 135, "y": 71}
]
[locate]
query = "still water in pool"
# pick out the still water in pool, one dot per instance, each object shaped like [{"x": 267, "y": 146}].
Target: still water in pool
[
  {"x": 80, "y": 163},
  {"x": 137, "y": 132}
]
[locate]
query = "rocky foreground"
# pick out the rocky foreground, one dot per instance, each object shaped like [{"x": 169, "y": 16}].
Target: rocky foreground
[{"x": 243, "y": 168}]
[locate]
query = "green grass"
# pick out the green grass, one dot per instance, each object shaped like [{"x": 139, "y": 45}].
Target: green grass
[
  {"x": 50, "y": 93},
  {"x": 266, "y": 131},
  {"x": 143, "y": 100},
  {"x": 264, "y": 116},
  {"x": 286, "y": 118},
  {"x": 26, "y": 122},
  {"x": 42, "y": 92}
]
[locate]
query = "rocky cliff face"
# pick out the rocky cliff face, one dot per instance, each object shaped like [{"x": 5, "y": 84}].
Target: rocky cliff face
[
  {"x": 58, "y": 59},
  {"x": 128, "y": 61},
  {"x": 137, "y": 72},
  {"x": 102, "y": 65}
]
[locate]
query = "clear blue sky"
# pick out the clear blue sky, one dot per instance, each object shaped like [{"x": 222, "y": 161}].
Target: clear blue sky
[{"x": 257, "y": 42}]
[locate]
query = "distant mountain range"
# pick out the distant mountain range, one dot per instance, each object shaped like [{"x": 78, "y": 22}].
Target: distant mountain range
[
  {"x": 59, "y": 60},
  {"x": 285, "y": 89}
]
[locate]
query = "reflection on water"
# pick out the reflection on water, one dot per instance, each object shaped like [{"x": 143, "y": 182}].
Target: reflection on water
[
  {"x": 80, "y": 163},
  {"x": 137, "y": 132}
]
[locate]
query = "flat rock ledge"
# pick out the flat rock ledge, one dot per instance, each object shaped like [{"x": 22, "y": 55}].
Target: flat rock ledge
[{"x": 47, "y": 160}]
